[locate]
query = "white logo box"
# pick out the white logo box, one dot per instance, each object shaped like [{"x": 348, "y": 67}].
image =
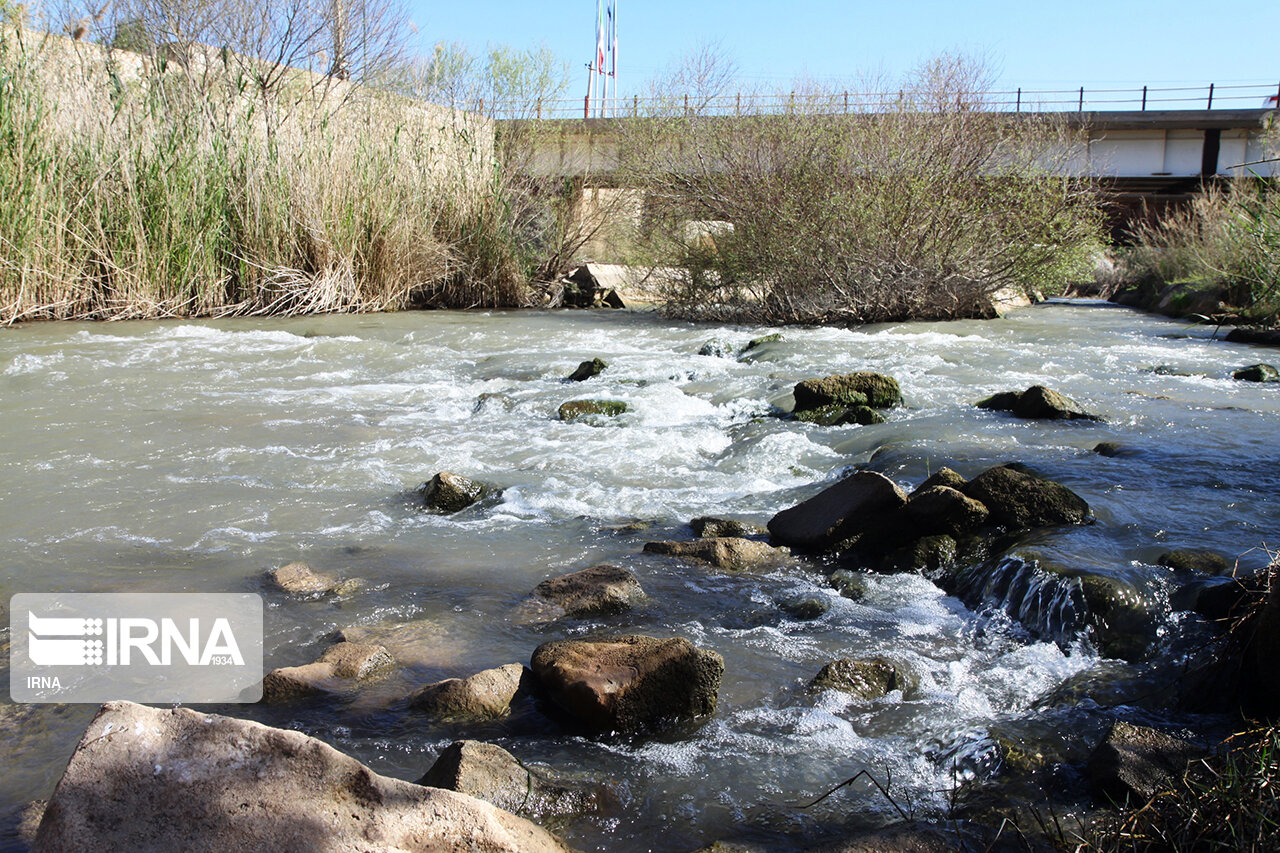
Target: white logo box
[{"x": 189, "y": 648}]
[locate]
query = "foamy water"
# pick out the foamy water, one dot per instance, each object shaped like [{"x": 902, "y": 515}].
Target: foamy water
[{"x": 191, "y": 456}]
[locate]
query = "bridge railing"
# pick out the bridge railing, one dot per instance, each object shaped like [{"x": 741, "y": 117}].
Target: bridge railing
[{"x": 1082, "y": 99}]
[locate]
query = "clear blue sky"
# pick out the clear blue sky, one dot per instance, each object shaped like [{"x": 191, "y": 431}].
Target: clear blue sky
[{"x": 1033, "y": 44}]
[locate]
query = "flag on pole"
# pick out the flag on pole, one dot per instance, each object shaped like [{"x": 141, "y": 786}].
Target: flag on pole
[{"x": 600, "y": 35}]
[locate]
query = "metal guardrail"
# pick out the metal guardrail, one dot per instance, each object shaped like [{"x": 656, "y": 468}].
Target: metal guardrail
[{"x": 1082, "y": 99}]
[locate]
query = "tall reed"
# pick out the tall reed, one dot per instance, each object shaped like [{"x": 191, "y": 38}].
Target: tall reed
[{"x": 170, "y": 186}]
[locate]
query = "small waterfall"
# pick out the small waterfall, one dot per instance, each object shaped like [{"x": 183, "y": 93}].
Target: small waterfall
[{"x": 1049, "y": 606}]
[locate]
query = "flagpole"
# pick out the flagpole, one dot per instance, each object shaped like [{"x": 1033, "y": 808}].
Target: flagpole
[{"x": 613, "y": 56}]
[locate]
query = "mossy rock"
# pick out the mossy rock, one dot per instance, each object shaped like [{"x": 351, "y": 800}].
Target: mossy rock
[
  {"x": 707, "y": 527},
  {"x": 763, "y": 339},
  {"x": 929, "y": 556},
  {"x": 1257, "y": 373},
  {"x": 580, "y": 409},
  {"x": 805, "y": 607},
  {"x": 1195, "y": 560},
  {"x": 450, "y": 493},
  {"x": 865, "y": 679},
  {"x": 850, "y": 584},
  {"x": 837, "y": 414},
  {"x": 942, "y": 477},
  {"x": 588, "y": 369},
  {"x": 1019, "y": 500},
  {"x": 849, "y": 389}
]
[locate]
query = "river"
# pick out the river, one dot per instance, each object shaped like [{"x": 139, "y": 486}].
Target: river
[{"x": 190, "y": 456}]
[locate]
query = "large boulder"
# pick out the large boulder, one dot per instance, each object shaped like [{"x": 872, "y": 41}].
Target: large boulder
[
  {"x": 1019, "y": 500},
  {"x": 1134, "y": 763},
  {"x": 341, "y": 667},
  {"x": 839, "y": 513},
  {"x": 486, "y": 695},
  {"x": 723, "y": 552},
  {"x": 1037, "y": 403},
  {"x": 596, "y": 591},
  {"x": 173, "y": 779},
  {"x": 449, "y": 493},
  {"x": 629, "y": 683},
  {"x": 849, "y": 389},
  {"x": 492, "y": 774}
]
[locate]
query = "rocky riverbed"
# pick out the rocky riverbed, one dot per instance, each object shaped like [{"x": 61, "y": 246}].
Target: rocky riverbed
[{"x": 748, "y": 566}]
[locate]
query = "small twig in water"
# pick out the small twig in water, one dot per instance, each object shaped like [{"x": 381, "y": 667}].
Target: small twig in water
[{"x": 881, "y": 788}]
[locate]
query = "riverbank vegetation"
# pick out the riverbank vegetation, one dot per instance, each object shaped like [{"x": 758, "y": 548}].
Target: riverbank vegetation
[
  {"x": 287, "y": 170},
  {"x": 1220, "y": 253},
  {"x": 840, "y": 210}
]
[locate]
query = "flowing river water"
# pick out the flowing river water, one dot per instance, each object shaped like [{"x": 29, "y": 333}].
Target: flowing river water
[{"x": 190, "y": 456}]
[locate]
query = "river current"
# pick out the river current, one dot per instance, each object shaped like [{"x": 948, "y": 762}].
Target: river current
[{"x": 190, "y": 456}]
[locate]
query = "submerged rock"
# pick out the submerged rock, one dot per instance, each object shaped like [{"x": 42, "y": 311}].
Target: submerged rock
[
  {"x": 420, "y": 643},
  {"x": 1134, "y": 763},
  {"x": 173, "y": 779},
  {"x": 486, "y": 695},
  {"x": 838, "y": 414},
  {"x": 449, "y": 493},
  {"x": 852, "y": 585},
  {"x": 1195, "y": 560},
  {"x": 849, "y": 389},
  {"x": 490, "y": 773},
  {"x": 1037, "y": 403},
  {"x": 1019, "y": 500},
  {"x": 596, "y": 591},
  {"x": 723, "y": 552},
  {"x": 706, "y": 527},
  {"x": 629, "y": 683},
  {"x": 838, "y": 513},
  {"x": 587, "y": 369},
  {"x": 576, "y": 410},
  {"x": 301, "y": 581},
  {"x": 805, "y": 607},
  {"x": 339, "y": 668},
  {"x": 1257, "y": 373},
  {"x": 864, "y": 679}
]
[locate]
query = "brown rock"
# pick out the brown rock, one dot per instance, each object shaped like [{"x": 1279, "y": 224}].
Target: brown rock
[
  {"x": 629, "y": 683},
  {"x": 337, "y": 669},
  {"x": 839, "y": 513},
  {"x": 420, "y": 643},
  {"x": 300, "y": 580},
  {"x": 492, "y": 774},
  {"x": 723, "y": 552},
  {"x": 486, "y": 695},
  {"x": 706, "y": 527},
  {"x": 596, "y": 591},
  {"x": 865, "y": 679},
  {"x": 448, "y": 493},
  {"x": 174, "y": 779}
]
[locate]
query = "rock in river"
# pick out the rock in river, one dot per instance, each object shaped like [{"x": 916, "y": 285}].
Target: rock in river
[
  {"x": 587, "y": 369},
  {"x": 723, "y": 552},
  {"x": 492, "y": 774},
  {"x": 340, "y": 667},
  {"x": 449, "y": 493},
  {"x": 174, "y": 779},
  {"x": 838, "y": 513},
  {"x": 1257, "y": 373},
  {"x": 596, "y": 591},
  {"x": 577, "y": 410},
  {"x": 849, "y": 389},
  {"x": 302, "y": 581},
  {"x": 1135, "y": 762},
  {"x": 629, "y": 683},
  {"x": 1037, "y": 403},
  {"x": 1019, "y": 500},
  {"x": 486, "y": 695}
]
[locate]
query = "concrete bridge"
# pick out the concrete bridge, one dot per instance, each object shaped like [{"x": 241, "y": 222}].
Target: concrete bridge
[{"x": 1138, "y": 158}]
